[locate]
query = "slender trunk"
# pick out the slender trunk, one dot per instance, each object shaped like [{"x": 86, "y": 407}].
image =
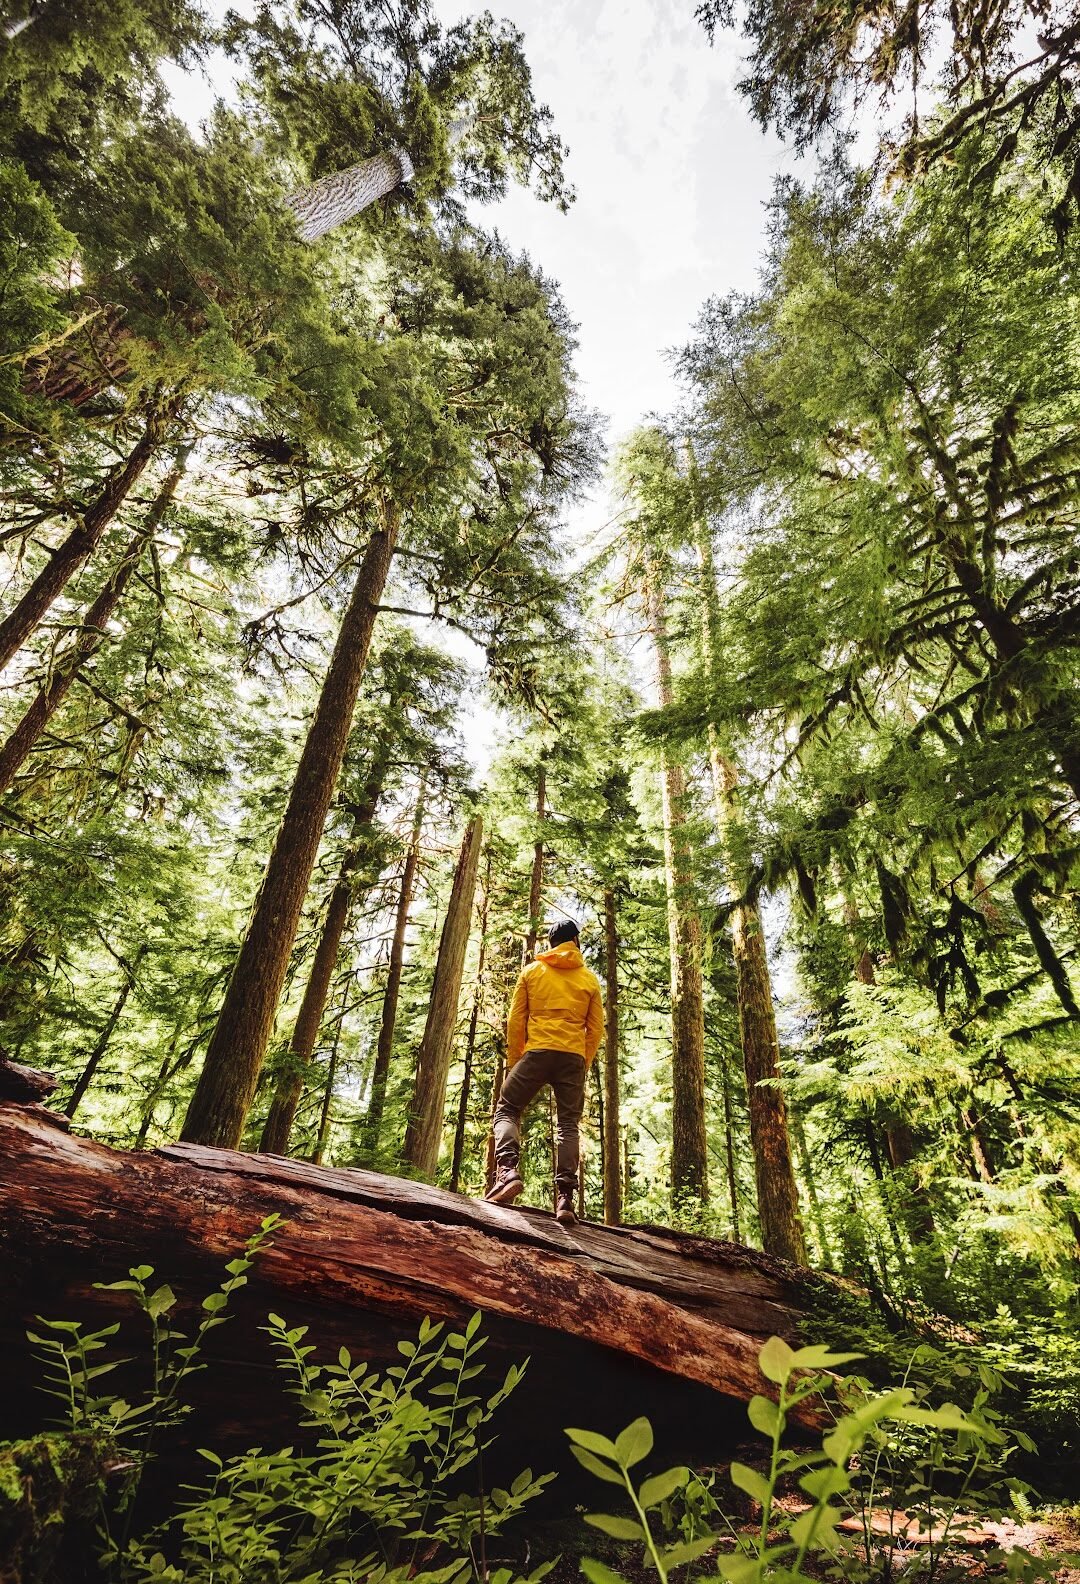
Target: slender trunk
[
  {"x": 689, "y": 1146},
  {"x": 601, "y": 1121},
  {"x": 424, "y": 1132},
  {"x": 328, "y": 1097},
  {"x": 290, "y": 1083},
  {"x": 234, "y": 1057},
  {"x": 89, "y": 639},
  {"x": 157, "y": 1088},
  {"x": 811, "y": 1189},
  {"x": 69, "y": 556},
  {"x": 777, "y": 1194},
  {"x": 980, "y": 1154},
  {"x": 385, "y": 1048},
  {"x": 536, "y": 879},
  {"x": 93, "y": 1061},
  {"x": 610, "y": 1124},
  {"x": 729, "y": 1155},
  {"x": 470, "y": 1043}
]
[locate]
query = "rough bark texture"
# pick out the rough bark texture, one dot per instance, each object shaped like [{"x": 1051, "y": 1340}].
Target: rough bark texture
[
  {"x": 666, "y": 1323},
  {"x": 424, "y": 1132},
  {"x": 689, "y": 1145},
  {"x": 88, "y": 640},
  {"x": 277, "y": 1128},
  {"x": 610, "y": 1128},
  {"x": 470, "y": 1039},
  {"x": 777, "y": 1194},
  {"x": 69, "y": 556},
  {"x": 336, "y": 198},
  {"x": 385, "y": 1048},
  {"x": 226, "y": 1086}
]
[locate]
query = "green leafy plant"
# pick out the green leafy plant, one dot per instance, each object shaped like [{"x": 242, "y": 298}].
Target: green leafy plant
[
  {"x": 386, "y": 1483},
  {"x": 876, "y": 1442}
]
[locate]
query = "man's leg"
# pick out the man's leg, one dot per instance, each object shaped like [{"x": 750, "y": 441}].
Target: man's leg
[
  {"x": 568, "y": 1082},
  {"x": 520, "y": 1087}
]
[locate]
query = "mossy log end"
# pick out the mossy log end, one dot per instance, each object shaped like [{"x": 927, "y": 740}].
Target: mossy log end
[{"x": 614, "y": 1321}]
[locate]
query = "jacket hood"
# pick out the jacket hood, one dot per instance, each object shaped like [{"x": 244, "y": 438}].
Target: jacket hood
[{"x": 565, "y": 956}]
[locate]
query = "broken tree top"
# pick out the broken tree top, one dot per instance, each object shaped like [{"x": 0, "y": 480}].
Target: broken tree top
[{"x": 660, "y": 1319}]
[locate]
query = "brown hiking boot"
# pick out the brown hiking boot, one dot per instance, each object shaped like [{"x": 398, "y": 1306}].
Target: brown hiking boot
[
  {"x": 564, "y": 1210},
  {"x": 506, "y": 1187}
]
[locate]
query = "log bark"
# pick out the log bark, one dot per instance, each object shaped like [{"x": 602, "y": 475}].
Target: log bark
[
  {"x": 610, "y": 1123},
  {"x": 70, "y": 554},
  {"x": 645, "y": 1319},
  {"x": 277, "y": 1129},
  {"x": 89, "y": 639},
  {"x": 234, "y": 1057},
  {"x": 424, "y": 1132},
  {"x": 336, "y": 198},
  {"x": 689, "y": 1144}
]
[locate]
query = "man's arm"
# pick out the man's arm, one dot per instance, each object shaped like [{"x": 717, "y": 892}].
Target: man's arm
[
  {"x": 517, "y": 1024},
  {"x": 594, "y": 1024}
]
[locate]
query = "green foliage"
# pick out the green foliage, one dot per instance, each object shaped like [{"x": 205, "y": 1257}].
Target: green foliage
[
  {"x": 382, "y": 1482},
  {"x": 891, "y": 1447}
]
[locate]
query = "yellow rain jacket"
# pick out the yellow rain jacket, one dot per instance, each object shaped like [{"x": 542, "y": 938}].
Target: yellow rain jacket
[{"x": 556, "y": 1006}]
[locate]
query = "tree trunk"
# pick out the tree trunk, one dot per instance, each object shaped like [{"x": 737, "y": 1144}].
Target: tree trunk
[
  {"x": 290, "y": 1085},
  {"x": 93, "y": 1061},
  {"x": 470, "y": 1042},
  {"x": 334, "y": 199},
  {"x": 536, "y": 879},
  {"x": 424, "y": 1132},
  {"x": 610, "y": 1127},
  {"x": 89, "y": 638},
  {"x": 234, "y": 1057},
  {"x": 689, "y": 1146},
  {"x": 328, "y": 1095},
  {"x": 729, "y": 1153},
  {"x": 385, "y": 1048},
  {"x": 778, "y": 1198}
]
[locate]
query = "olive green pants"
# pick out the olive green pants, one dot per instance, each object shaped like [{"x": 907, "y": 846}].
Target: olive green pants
[{"x": 565, "y": 1072}]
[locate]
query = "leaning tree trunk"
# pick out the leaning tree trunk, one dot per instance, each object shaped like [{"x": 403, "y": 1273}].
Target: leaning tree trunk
[
  {"x": 277, "y": 1128},
  {"x": 777, "y": 1195},
  {"x": 689, "y": 1145},
  {"x": 69, "y": 556},
  {"x": 385, "y": 1048},
  {"x": 89, "y": 639},
  {"x": 536, "y": 879},
  {"x": 424, "y": 1132},
  {"x": 610, "y": 1128},
  {"x": 470, "y": 1041},
  {"x": 234, "y": 1057},
  {"x": 93, "y": 1061},
  {"x": 336, "y": 198}
]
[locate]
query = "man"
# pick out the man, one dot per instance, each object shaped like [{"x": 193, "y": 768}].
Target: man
[{"x": 553, "y": 1032}]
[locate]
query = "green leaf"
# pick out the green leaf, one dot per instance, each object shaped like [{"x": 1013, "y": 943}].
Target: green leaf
[
  {"x": 763, "y": 1414},
  {"x": 593, "y": 1442},
  {"x": 661, "y": 1486},
  {"x": 160, "y": 1302},
  {"x": 687, "y": 1551},
  {"x": 617, "y": 1528},
  {"x": 589, "y": 1461},
  {"x": 814, "y": 1528},
  {"x": 738, "y": 1569},
  {"x": 821, "y": 1483},
  {"x": 819, "y": 1357},
  {"x": 597, "y": 1573},
  {"x": 775, "y": 1360},
  {"x": 750, "y": 1481},
  {"x": 634, "y": 1443},
  {"x": 474, "y": 1324}
]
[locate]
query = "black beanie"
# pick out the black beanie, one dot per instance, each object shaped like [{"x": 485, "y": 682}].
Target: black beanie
[{"x": 566, "y": 931}]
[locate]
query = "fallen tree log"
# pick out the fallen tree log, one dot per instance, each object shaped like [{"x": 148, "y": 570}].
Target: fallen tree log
[{"x": 615, "y": 1321}]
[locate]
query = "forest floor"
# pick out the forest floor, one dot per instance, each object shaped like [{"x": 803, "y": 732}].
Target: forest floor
[{"x": 969, "y": 1554}]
